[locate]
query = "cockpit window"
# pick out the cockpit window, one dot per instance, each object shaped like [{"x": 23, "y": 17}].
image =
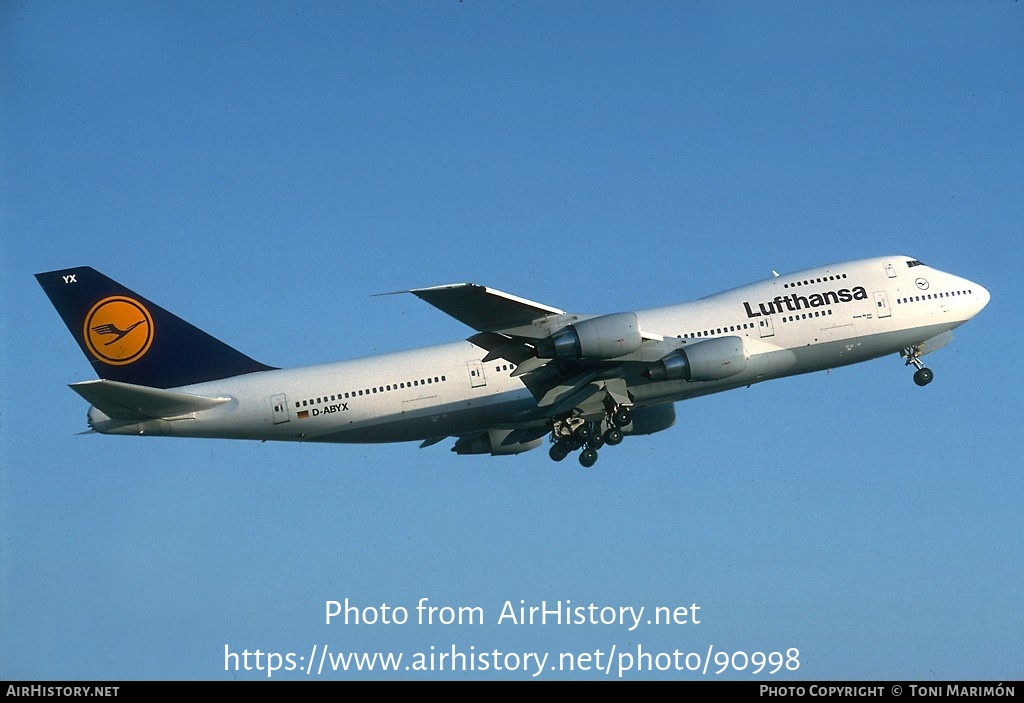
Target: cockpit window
[{"x": 915, "y": 262}]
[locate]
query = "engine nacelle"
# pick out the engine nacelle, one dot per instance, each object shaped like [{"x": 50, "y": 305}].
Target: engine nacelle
[
  {"x": 710, "y": 360},
  {"x": 652, "y": 418},
  {"x": 604, "y": 337},
  {"x": 489, "y": 442}
]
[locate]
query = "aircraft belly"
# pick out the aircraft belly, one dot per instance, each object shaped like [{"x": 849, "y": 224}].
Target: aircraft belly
[
  {"x": 441, "y": 420},
  {"x": 779, "y": 363},
  {"x": 855, "y": 349}
]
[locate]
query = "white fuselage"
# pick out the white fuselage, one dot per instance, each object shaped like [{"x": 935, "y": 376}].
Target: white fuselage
[{"x": 792, "y": 324}]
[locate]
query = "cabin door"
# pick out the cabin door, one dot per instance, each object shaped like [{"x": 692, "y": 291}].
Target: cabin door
[
  {"x": 882, "y": 304},
  {"x": 476, "y": 374},
  {"x": 279, "y": 404}
]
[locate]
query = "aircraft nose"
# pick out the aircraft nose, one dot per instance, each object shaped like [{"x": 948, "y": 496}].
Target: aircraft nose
[{"x": 983, "y": 297}]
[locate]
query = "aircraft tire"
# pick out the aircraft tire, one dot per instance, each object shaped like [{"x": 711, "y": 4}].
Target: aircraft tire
[
  {"x": 558, "y": 452},
  {"x": 923, "y": 376},
  {"x": 588, "y": 457},
  {"x": 622, "y": 417},
  {"x": 612, "y": 436}
]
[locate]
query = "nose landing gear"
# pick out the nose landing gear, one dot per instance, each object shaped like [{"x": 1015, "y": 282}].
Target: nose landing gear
[{"x": 923, "y": 376}]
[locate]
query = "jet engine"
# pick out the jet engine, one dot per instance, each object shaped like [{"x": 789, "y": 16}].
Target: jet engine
[
  {"x": 489, "y": 442},
  {"x": 604, "y": 337},
  {"x": 710, "y": 360}
]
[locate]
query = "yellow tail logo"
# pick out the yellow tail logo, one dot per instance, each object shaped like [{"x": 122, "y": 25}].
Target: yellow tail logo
[{"x": 118, "y": 330}]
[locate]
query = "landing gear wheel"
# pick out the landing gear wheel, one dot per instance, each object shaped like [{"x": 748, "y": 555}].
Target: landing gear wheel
[
  {"x": 622, "y": 417},
  {"x": 559, "y": 451},
  {"x": 584, "y": 432},
  {"x": 588, "y": 457},
  {"x": 923, "y": 376},
  {"x": 612, "y": 436}
]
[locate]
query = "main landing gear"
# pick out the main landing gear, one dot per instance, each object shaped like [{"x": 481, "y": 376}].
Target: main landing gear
[
  {"x": 923, "y": 376},
  {"x": 575, "y": 433}
]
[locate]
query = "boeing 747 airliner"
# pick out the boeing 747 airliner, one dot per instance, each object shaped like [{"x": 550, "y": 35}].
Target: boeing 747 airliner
[{"x": 529, "y": 371}]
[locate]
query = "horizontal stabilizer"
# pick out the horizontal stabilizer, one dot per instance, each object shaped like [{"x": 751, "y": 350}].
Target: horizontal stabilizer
[{"x": 125, "y": 401}]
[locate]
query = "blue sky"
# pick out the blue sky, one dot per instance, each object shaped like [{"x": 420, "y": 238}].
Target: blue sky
[{"x": 262, "y": 169}]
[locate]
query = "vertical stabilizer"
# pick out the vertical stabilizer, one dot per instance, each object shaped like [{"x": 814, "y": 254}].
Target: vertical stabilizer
[{"x": 129, "y": 339}]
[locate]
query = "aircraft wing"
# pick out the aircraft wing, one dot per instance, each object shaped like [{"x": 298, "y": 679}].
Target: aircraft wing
[
  {"x": 489, "y": 311},
  {"x": 521, "y": 331},
  {"x": 484, "y": 309}
]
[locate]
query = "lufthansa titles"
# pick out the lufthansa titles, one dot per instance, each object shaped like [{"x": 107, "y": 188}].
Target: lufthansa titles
[{"x": 794, "y": 302}]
